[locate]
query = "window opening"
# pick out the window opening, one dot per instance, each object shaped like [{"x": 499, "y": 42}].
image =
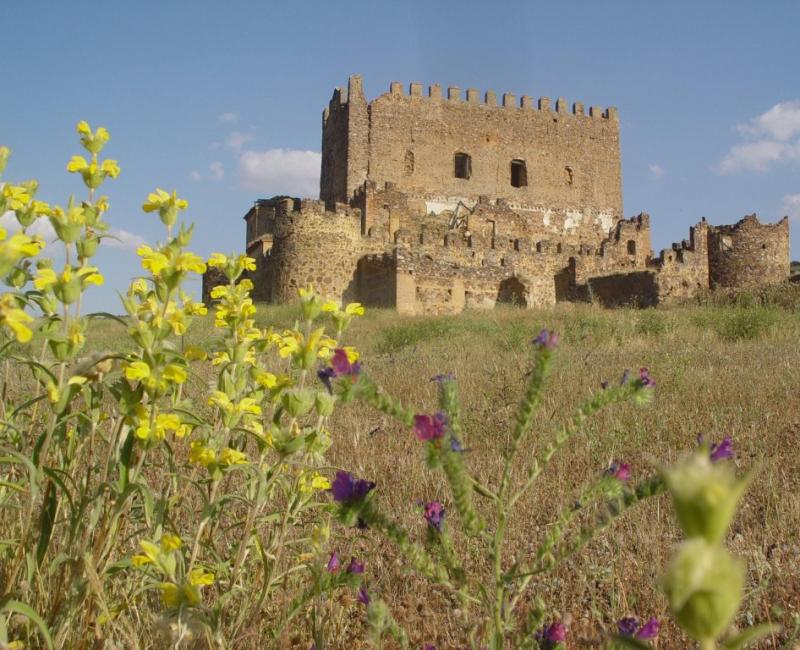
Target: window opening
[
  {"x": 631, "y": 247},
  {"x": 463, "y": 165},
  {"x": 519, "y": 173}
]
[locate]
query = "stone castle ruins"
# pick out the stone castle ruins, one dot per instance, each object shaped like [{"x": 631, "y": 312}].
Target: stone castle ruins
[{"x": 432, "y": 203}]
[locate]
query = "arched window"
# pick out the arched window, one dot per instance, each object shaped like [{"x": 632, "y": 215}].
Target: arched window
[
  {"x": 462, "y": 165},
  {"x": 519, "y": 173}
]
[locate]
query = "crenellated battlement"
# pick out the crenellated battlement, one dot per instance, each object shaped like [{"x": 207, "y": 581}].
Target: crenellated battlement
[
  {"x": 488, "y": 99},
  {"x": 436, "y": 199}
]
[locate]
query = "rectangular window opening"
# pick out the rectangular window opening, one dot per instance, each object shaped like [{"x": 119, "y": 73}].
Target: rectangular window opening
[
  {"x": 519, "y": 173},
  {"x": 463, "y": 165}
]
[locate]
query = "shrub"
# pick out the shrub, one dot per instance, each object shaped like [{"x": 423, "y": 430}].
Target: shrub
[{"x": 131, "y": 514}]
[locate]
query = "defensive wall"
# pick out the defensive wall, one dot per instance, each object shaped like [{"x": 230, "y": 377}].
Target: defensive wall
[{"x": 531, "y": 216}]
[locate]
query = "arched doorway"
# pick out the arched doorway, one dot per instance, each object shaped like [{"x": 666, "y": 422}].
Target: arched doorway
[{"x": 512, "y": 292}]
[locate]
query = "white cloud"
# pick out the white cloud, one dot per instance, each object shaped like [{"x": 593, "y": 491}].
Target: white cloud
[
  {"x": 656, "y": 170},
  {"x": 216, "y": 171},
  {"x": 791, "y": 206},
  {"x": 770, "y": 138},
  {"x": 41, "y": 227},
  {"x": 781, "y": 122},
  {"x": 124, "y": 240},
  {"x": 228, "y": 118},
  {"x": 195, "y": 175},
  {"x": 281, "y": 171},
  {"x": 236, "y": 140},
  {"x": 120, "y": 239}
]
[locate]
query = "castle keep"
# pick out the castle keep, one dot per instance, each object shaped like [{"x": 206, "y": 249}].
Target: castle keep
[{"x": 435, "y": 202}]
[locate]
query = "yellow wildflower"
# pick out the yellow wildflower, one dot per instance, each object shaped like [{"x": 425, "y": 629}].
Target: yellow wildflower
[
  {"x": 199, "y": 453},
  {"x": 15, "y": 319},
  {"x": 354, "y": 309},
  {"x": 137, "y": 370},
  {"x": 230, "y": 456},
  {"x": 170, "y": 594},
  {"x": 217, "y": 260},
  {"x": 170, "y": 542},
  {"x": 195, "y": 353},
  {"x": 175, "y": 373},
  {"x": 190, "y": 262},
  {"x": 199, "y": 577},
  {"x": 153, "y": 261}
]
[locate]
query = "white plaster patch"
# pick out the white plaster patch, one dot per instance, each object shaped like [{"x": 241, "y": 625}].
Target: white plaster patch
[
  {"x": 606, "y": 221},
  {"x": 446, "y": 205},
  {"x": 546, "y": 218},
  {"x": 573, "y": 219}
]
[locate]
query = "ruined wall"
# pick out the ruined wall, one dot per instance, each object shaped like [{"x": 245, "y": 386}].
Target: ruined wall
[
  {"x": 683, "y": 270},
  {"x": 634, "y": 289},
  {"x": 749, "y": 253}
]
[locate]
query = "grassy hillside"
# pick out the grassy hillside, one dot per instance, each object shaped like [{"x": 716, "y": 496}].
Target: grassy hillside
[{"x": 721, "y": 370}]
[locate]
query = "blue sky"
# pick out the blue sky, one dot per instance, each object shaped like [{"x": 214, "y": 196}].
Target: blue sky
[{"x": 223, "y": 100}]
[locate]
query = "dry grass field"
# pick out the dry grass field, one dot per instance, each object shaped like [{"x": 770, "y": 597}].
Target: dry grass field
[{"x": 721, "y": 370}]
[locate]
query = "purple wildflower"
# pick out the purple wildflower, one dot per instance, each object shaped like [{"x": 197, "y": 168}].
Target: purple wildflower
[
  {"x": 434, "y": 514},
  {"x": 628, "y": 625},
  {"x": 649, "y": 630},
  {"x": 619, "y": 470},
  {"x": 604, "y": 384},
  {"x": 363, "y": 596},
  {"x": 550, "y": 635},
  {"x": 333, "y": 563},
  {"x": 625, "y": 377},
  {"x": 443, "y": 377},
  {"x": 429, "y": 427},
  {"x": 348, "y": 489},
  {"x": 647, "y": 380},
  {"x": 455, "y": 445},
  {"x": 355, "y": 566},
  {"x": 340, "y": 367},
  {"x": 722, "y": 450},
  {"x": 546, "y": 339},
  {"x": 429, "y": 646}
]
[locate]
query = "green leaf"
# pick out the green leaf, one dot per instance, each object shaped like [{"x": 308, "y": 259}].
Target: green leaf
[
  {"x": 17, "y": 607},
  {"x": 46, "y": 520},
  {"x": 125, "y": 459},
  {"x": 748, "y": 636}
]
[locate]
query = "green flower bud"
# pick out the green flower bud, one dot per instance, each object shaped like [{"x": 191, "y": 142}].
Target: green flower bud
[
  {"x": 298, "y": 401},
  {"x": 87, "y": 246},
  {"x": 17, "y": 278},
  {"x": 324, "y": 403},
  {"x": 703, "y": 584},
  {"x": 705, "y": 495}
]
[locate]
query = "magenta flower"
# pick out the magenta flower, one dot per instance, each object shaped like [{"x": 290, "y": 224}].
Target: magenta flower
[
  {"x": 646, "y": 379},
  {"x": 649, "y": 630},
  {"x": 551, "y": 635},
  {"x": 333, "y": 562},
  {"x": 429, "y": 427},
  {"x": 363, "y": 596},
  {"x": 722, "y": 450},
  {"x": 434, "y": 514},
  {"x": 347, "y": 489},
  {"x": 340, "y": 367},
  {"x": 619, "y": 470},
  {"x": 355, "y": 566},
  {"x": 546, "y": 339},
  {"x": 629, "y": 626}
]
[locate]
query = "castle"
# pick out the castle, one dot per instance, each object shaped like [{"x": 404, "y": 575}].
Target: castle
[{"x": 432, "y": 204}]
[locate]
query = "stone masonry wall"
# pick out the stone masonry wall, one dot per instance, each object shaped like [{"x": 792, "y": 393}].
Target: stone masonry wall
[
  {"x": 749, "y": 253},
  {"x": 571, "y": 155}
]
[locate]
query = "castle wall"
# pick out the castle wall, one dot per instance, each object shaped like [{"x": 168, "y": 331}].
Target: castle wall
[
  {"x": 749, "y": 253},
  {"x": 683, "y": 270},
  {"x": 572, "y": 158},
  {"x": 312, "y": 246}
]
